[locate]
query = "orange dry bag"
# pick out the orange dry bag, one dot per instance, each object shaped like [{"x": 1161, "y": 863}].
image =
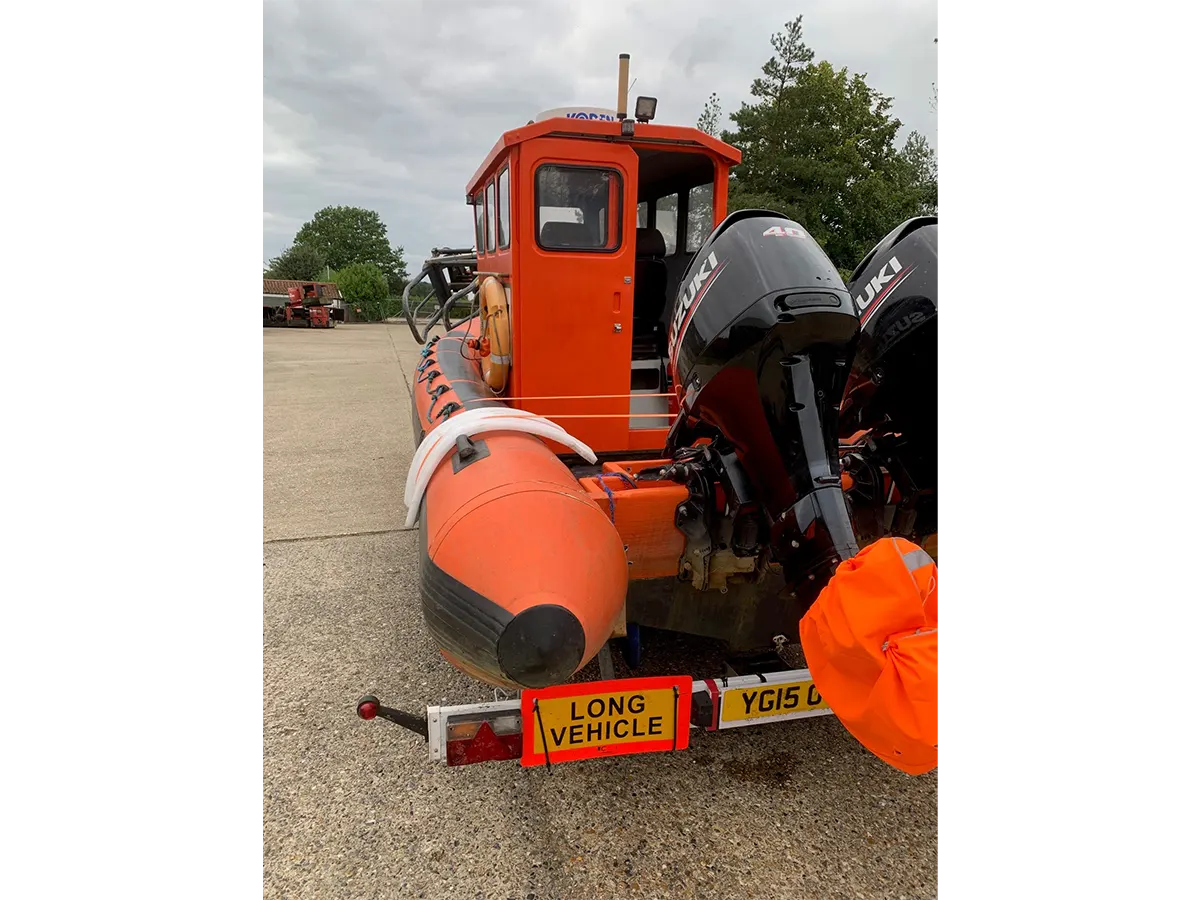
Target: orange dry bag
[{"x": 870, "y": 641}]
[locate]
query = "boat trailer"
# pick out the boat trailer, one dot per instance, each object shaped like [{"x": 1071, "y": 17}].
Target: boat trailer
[{"x": 604, "y": 718}]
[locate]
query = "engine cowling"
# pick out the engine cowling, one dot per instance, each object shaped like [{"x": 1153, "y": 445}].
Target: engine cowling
[
  {"x": 891, "y": 396},
  {"x": 761, "y": 340}
]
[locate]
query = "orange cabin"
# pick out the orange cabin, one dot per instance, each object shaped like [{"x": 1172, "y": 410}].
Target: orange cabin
[{"x": 590, "y": 230}]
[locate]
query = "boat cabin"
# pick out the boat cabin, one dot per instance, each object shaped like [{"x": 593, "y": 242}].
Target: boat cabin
[{"x": 590, "y": 225}]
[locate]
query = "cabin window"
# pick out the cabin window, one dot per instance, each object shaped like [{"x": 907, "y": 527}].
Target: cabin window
[
  {"x": 573, "y": 208},
  {"x": 502, "y": 209},
  {"x": 666, "y": 218},
  {"x": 491, "y": 216},
  {"x": 700, "y": 216},
  {"x": 480, "y": 238},
  {"x": 643, "y": 214}
]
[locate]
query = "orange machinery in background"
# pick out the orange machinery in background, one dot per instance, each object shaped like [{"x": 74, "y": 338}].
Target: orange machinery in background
[{"x": 304, "y": 308}]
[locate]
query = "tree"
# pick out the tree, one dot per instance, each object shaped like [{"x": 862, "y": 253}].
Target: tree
[
  {"x": 786, "y": 69},
  {"x": 363, "y": 286},
  {"x": 300, "y": 262},
  {"x": 346, "y": 235},
  {"x": 397, "y": 272},
  {"x": 819, "y": 145},
  {"x": 711, "y": 117}
]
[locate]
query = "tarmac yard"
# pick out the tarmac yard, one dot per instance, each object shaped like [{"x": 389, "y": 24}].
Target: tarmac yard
[{"x": 354, "y": 809}]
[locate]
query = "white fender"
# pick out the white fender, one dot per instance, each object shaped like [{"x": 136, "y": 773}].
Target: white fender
[{"x": 472, "y": 422}]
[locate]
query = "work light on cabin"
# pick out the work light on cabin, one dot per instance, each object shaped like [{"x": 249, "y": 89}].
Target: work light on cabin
[{"x": 644, "y": 108}]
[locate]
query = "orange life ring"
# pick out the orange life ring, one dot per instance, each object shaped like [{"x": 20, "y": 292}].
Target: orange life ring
[{"x": 493, "y": 306}]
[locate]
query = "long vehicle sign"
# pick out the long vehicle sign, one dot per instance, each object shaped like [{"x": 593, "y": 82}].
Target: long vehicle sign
[{"x": 604, "y": 718}]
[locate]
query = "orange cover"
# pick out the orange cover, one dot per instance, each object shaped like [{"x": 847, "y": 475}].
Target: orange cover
[{"x": 870, "y": 641}]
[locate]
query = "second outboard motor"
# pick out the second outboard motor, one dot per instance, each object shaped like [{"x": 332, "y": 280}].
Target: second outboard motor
[
  {"x": 760, "y": 345},
  {"x": 890, "y": 406}
]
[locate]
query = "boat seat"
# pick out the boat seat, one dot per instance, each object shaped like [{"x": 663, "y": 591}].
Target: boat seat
[
  {"x": 649, "y": 282},
  {"x": 567, "y": 235}
]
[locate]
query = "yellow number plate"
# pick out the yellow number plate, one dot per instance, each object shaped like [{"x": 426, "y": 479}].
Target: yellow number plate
[{"x": 769, "y": 702}]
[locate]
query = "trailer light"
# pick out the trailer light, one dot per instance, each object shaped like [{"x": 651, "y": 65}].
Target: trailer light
[
  {"x": 467, "y": 730},
  {"x": 462, "y": 731},
  {"x": 493, "y": 740},
  {"x": 644, "y": 108},
  {"x": 477, "y": 732},
  {"x": 368, "y": 709}
]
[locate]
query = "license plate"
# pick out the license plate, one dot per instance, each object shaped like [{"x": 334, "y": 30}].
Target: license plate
[
  {"x": 605, "y": 718},
  {"x": 770, "y": 701}
]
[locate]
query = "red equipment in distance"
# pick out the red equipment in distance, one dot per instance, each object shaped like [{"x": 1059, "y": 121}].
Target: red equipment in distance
[{"x": 304, "y": 308}]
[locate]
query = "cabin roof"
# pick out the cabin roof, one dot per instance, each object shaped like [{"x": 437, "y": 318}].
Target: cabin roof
[{"x": 645, "y": 133}]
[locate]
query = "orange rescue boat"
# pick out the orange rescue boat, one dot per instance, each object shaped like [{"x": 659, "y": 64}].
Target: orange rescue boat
[{"x": 647, "y": 411}]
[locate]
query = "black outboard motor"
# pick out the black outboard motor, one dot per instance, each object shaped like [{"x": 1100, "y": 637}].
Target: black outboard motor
[
  {"x": 892, "y": 392},
  {"x": 761, "y": 341}
]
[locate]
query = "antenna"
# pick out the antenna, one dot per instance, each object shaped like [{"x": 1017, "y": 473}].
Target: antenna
[
  {"x": 622, "y": 85},
  {"x": 939, "y": 102}
]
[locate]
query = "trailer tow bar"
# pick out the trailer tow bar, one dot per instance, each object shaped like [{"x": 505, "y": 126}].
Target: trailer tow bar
[{"x": 369, "y": 708}]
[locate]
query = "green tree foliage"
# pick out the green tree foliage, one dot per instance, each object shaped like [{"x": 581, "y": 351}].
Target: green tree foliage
[
  {"x": 710, "y": 119},
  {"x": 819, "y": 145},
  {"x": 300, "y": 262},
  {"x": 346, "y": 235},
  {"x": 365, "y": 289},
  {"x": 397, "y": 272},
  {"x": 786, "y": 69}
]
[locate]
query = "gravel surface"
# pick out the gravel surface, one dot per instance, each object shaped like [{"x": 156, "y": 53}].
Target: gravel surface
[{"x": 353, "y": 809}]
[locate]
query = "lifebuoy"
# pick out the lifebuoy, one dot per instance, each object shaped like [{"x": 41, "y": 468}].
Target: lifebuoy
[{"x": 493, "y": 306}]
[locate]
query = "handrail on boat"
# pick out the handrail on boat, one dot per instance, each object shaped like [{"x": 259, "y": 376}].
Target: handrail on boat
[
  {"x": 443, "y": 312},
  {"x": 445, "y": 269}
]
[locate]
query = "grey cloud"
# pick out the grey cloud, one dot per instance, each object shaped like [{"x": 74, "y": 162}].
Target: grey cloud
[{"x": 393, "y": 105}]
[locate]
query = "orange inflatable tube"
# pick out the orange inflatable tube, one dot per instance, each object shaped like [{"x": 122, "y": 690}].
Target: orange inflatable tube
[
  {"x": 870, "y": 641},
  {"x": 522, "y": 576}
]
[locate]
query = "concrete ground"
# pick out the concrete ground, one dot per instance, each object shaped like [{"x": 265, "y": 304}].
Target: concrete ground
[{"x": 353, "y": 809}]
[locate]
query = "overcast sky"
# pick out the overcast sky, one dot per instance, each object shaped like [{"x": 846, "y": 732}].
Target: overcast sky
[{"x": 391, "y": 105}]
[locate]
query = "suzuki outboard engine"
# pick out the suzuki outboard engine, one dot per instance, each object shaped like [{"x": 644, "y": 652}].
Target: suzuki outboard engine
[
  {"x": 761, "y": 342},
  {"x": 889, "y": 412}
]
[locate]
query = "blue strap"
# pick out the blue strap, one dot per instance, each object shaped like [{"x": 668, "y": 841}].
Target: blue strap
[
  {"x": 625, "y": 478},
  {"x": 612, "y": 501}
]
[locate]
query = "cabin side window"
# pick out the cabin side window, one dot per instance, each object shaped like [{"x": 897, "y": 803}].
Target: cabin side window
[
  {"x": 502, "y": 211},
  {"x": 666, "y": 217},
  {"x": 490, "y": 222},
  {"x": 480, "y": 238},
  {"x": 578, "y": 208},
  {"x": 700, "y": 216}
]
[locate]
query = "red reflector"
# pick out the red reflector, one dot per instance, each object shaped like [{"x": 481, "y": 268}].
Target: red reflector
[
  {"x": 368, "y": 710},
  {"x": 485, "y": 746}
]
